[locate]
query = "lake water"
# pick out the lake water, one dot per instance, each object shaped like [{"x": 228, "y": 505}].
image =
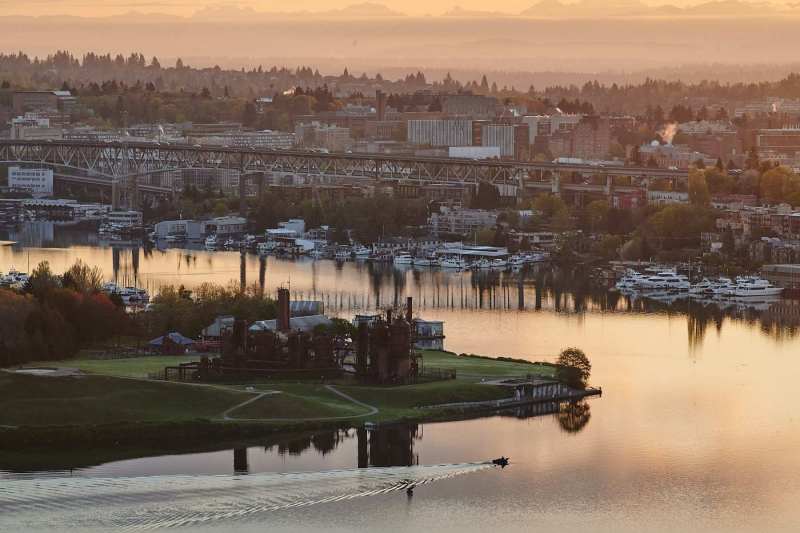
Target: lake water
[{"x": 696, "y": 428}]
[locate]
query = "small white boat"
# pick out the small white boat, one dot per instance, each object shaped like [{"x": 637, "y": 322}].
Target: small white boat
[
  {"x": 344, "y": 253},
  {"x": 265, "y": 248},
  {"x": 499, "y": 263},
  {"x": 361, "y": 252},
  {"x": 403, "y": 259},
  {"x": 705, "y": 287},
  {"x": 426, "y": 261},
  {"x": 455, "y": 263},
  {"x": 482, "y": 264}
]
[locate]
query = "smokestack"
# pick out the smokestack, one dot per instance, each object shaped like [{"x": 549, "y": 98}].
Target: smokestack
[
  {"x": 380, "y": 105},
  {"x": 283, "y": 310},
  {"x": 409, "y": 309}
]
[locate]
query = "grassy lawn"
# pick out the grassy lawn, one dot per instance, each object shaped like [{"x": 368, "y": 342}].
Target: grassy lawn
[
  {"x": 299, "y": 401},
  {"x": 133, "y": 367},
  {"x": 473, "y": 366},
  {"x": 100, "y": 397},
  {"x": 38, "y": 401},
  {"x": 404, "y": 401}
]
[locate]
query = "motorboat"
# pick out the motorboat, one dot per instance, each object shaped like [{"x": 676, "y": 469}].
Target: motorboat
[
  {"x": 753, "y": 286},
  {"x": 724, "y": 287},
  {"x": 668, "y": 280},
  {"x": 230, "y": 243},
  {"x": 14, "y": 279},
  {"x": 403, "y": 259},
  {"x": 130, "y": 296},
  {"x": 453, "y": 263},
  {"x": 705, "y": 287},
  {"x": 517, "y": 260},
  {"x": 344, "y": 253},
  {"x": 264, "y": 248},
  {"x": 482, "y": 264},
  {"x": 502, "y": 462},
  {"x": 499, "y": 263},
  {"x": 362, "y": 252},
  {"x": 631, "y": 280},
  {"x": 426, "y": 261}
]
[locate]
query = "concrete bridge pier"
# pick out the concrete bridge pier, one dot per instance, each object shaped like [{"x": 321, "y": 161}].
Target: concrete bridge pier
[
  {"x": 555, "y": 184},
  {"x": 609, "y": 189}
]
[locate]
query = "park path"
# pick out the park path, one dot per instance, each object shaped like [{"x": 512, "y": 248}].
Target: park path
[{"x": 372, "y": 410}]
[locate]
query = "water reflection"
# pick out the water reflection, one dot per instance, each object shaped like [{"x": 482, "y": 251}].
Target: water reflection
[{"x": 347, "y": 288}]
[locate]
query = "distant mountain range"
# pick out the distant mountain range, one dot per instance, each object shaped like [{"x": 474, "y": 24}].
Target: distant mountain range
[
  {"x": 542, "y": 9},
  {"x": 227, "y": 12}
]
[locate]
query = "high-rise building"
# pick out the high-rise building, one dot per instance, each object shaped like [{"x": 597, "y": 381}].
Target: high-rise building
[{"x": 440, "y": 132}]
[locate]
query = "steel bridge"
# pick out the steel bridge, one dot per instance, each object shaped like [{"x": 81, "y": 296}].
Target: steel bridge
[{"x": 122, "y": 164}]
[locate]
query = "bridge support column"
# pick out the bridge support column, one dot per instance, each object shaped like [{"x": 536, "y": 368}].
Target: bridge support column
[
  {"x": 242, "y": 199},
  {"x": 115, "y": 194},
  {"x": 555, "y": 184}
]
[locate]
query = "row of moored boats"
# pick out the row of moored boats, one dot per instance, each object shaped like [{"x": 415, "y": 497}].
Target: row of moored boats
[
  {"x": 453, "y": 262},
  {"x": 669, "y": 280}
]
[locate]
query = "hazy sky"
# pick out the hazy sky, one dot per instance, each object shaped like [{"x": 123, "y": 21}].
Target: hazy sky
[{"x": 187, "y": 7}]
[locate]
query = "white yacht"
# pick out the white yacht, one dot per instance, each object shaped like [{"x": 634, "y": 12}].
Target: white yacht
[
  {"x": 482, "y": 264},
  {"x": 14, "y": 279},
  {"x": 427, "y": 261},
  {"x": 453, "y": 263},
  {"x": 705, "y": 287},
  {"x": 499, "y": 263},
  {"x": 667, "y": 279},
  {"x": 403, "y": 259},
  {"x": 631, "y": 280},
  {"x": 362, "y": 252},
  {"x": 265, "y": 248},
  {"x": 753, "y": 286},
  {"x": 724, "y": 287}
]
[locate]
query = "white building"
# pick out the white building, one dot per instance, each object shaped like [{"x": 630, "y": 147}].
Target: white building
[
  {"x": 37, "y": 181},
  {"x": 667, "y": 197},
  {"x": 440, "y": 132},
  {"x": 33, "y": 126},
  {"x": 500, "y": 136},
  {"x": 195, "y": 230},
  {"x": 460, "y": 221}
]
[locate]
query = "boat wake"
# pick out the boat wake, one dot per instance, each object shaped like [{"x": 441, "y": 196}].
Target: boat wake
[{"x": 155, "y": 502}]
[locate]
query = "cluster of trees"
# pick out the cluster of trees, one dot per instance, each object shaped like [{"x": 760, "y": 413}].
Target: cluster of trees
[
  {"x": 178, "y": 309},
  {"x": 95, "y": 74},
  {"x": 770, "y": 184},
  {"x": 365, "y": 219},
  {"x": 56, "y": 315},
  {"x": 573, "y": 368}
]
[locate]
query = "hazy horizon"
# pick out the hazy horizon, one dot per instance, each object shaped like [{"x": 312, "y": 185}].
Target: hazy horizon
[{"x": 412, "y": 8}]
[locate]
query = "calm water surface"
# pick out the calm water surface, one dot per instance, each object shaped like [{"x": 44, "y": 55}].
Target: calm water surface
[{"x": 696, "y": 429}]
